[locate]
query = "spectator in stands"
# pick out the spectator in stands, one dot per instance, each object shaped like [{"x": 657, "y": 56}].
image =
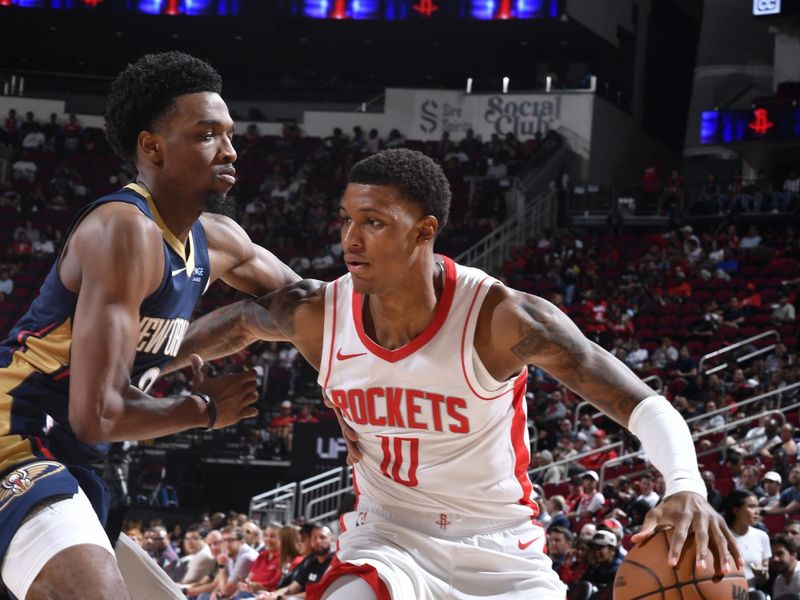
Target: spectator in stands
[
  {"x": 265, "y": 574},
  {"x": 792, "y": 530},
  {"x": 785, "y": 199},
  {"x": 292, "y": 554},
  {"x": 586, "y": 424},
  {"x": 685, "y": 365},
  {"x": 715, "y": 499},
  {"x": 312, "y": 568},
  {"x": 789, "y": 502},
  {"x": 34, "y": 139},
  {"x": 665, "y": 355},
  {"x": 760, "y": 436},
  {"x": 197, "y": 560},
  {"x": 637, "y": 355},
  {"x": 577, "y": 561},
  {"x": 208, "y": 583},
  {"x": 253, "y": 537},
  {"x": 784, "y": 311},
  {"x": 749, "y": 481},
  {"x": 72, "y": 133},
  {"x": 24, "y": 169},
  {"x": 590, "y": 500},
  {"x": 6, "y": 284},
  {"x": 158, "y": 547},
  {"x": 741, "y": 514},
  {"x": 10, "y": 128},
  {"x": 733, "y": 315},
  {"x": 786, "y": 442},
  {"x": 280, "y": 428},
  {"x": 646, "y": 491},
  {"x": 237, "y": 558},
  {"x": 395, "y": 139},
  {"x": 751, "y": 240},
  {"x": 44, "y": 248},
  {"x": 786, "y": 568},
  {"x": 53, "y": 132},
  {"x": 771, "y": 482},
  {"x": 559, "y": 545},
  {"x": 604, "y": 561},
  {"x": 556, "y": 506},
  {"x": 555, "y": 409}
]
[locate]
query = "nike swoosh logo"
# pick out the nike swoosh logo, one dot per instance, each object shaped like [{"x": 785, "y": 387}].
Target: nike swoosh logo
[
  {"x": 340, "y": 356},
  {"x": 523, "y": 546},
  {"x": 176, "y": 271}
]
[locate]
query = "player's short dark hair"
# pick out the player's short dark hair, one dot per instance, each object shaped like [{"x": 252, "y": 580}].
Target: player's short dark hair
[
  {"x": 787, "y": 542},
  {"x": 418, "y": 177},
  {"x": 144, "y": 93}
]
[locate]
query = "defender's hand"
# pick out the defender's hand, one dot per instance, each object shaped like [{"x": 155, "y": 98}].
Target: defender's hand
[
  {"x": 234, "y": 394},
  {"x": 687, "y": 511}
]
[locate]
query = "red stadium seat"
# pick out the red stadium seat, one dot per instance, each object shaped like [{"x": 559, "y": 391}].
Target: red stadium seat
[{"x": 773, "y": 523}]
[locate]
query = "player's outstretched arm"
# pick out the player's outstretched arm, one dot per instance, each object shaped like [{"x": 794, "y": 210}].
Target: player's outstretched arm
[
  {"x": 104, "y": 405},
  {"x": 247, "y": 267},
  {"x": 225, "y": 331},
  {"x": 519, "y": 329}
]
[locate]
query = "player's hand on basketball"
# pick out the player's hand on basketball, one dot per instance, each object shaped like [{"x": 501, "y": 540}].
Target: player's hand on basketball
[
  {"x": 350, "y": 436},
  {"x": 234, "y": 394},
  {"x": 685, "y": 512}
]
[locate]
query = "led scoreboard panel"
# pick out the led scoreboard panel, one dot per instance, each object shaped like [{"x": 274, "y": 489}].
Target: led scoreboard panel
[
  {"x": 732, "y": 126},
  {"x": 390, "y": 10}
]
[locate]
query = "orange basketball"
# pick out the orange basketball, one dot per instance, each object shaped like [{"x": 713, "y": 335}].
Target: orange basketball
[{"x": 645, "y": 574}]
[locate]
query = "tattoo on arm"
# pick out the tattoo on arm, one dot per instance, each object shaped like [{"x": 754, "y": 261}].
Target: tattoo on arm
[{"x": 548, "y": 339}]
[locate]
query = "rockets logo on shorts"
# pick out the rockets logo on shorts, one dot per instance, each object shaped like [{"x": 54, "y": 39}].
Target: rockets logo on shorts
[{"x": 21, "y": 479}]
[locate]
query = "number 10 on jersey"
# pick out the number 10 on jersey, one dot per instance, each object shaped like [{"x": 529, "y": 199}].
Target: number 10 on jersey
[{"x": 400, "y": 454}]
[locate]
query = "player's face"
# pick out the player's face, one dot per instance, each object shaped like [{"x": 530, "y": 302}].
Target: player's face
[
  {"x": 197, "y": 154},
  {"x": 382, "y": 236}
]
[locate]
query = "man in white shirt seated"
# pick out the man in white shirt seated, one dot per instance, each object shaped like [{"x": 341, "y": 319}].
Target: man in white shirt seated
[
  {"x": 646, "y": 491},
  {"x": 786, "y": 567}
]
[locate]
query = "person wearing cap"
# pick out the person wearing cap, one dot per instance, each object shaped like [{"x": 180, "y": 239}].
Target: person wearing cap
[
  {"x": 615, "y": 527},
  {"x": 772, "y": 490},
  {"x": 604, "y": 560},
  {"x": 590, "y": 500},
  {"x": 596, "y": 460},
  {"x": 789, "y": 502}
]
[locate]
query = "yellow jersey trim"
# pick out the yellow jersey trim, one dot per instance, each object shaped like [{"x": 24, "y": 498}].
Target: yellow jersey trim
[{"x": 166, "y": 232}]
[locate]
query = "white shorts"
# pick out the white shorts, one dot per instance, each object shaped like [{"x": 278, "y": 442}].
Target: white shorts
[
  {"x": 427, "y": 557},
  {"x": 50, "y": 530},
  {"x": 71, "y": 522}
]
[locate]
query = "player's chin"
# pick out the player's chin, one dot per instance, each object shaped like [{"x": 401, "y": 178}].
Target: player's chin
[{"x": 363, "y": 286}]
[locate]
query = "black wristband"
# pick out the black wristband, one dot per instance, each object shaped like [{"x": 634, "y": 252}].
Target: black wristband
[{"x": 211, "y": 408}]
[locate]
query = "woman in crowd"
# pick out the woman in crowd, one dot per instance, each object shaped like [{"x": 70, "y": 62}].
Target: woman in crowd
[{"x": 741, "y": 513}]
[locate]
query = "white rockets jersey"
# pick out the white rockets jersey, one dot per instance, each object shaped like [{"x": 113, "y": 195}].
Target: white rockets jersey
[{"x": 434, "y": 440}]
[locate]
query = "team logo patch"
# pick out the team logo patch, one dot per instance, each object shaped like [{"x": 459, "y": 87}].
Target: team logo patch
[{"x": 22, "y": 479}]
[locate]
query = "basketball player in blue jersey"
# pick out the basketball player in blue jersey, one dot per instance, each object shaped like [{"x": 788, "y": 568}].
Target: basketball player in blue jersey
[
  {"x": 425, "y": 361},
  {"x": 75, "y": 370}
]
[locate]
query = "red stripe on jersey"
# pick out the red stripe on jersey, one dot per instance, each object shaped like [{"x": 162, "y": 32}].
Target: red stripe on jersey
[
  {"x": 445, "y": 302},
  {"x": 45, "y": 452},
  {"x": 64, "y": 373},
  {"x": 333, "y": 335},
  {"x": 26, "y": 333},
  {"x": 522, "y": 452},
  {"x": 464, "y": 344},
  {"x": 338, "y": 568}
]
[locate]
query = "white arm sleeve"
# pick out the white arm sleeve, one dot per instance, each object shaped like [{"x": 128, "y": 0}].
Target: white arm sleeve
[{"x": 668, "y": 444}]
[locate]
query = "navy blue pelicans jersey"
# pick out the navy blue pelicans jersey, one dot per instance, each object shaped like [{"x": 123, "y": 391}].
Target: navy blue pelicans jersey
[{"x": 39, "y": 454}]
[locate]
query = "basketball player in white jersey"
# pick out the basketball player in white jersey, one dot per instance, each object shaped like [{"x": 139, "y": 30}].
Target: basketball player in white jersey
[{"x": 426, "y": 361}]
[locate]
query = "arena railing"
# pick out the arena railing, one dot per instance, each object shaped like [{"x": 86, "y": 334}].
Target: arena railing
[
  {"x": 780, "y": 392},
  {"x": 275, "y": 505},
  {"x": 737, "y": 345},
  {"x": 695, "y": 436},
  {"x": 320, "y": 496}
]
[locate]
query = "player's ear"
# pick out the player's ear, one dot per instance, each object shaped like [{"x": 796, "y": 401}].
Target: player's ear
[
  {"x": 427, "y": 228},
  {"x": 148, "y": 146}
]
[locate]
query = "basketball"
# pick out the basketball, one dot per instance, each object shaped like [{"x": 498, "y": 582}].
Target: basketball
[{"x": 645, "y": 573}]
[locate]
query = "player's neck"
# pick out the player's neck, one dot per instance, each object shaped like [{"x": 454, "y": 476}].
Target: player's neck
[
  {"x": 395, "y": 318},
  {"x": 173, "y": 207}
]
